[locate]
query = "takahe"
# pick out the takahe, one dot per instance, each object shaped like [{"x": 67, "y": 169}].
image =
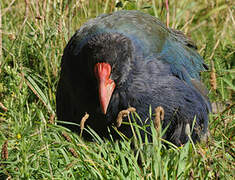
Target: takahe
[{"x": 130, "y": 59}]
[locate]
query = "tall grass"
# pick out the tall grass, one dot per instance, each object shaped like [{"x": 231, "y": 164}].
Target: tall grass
[{"x": 34, "y": 34}]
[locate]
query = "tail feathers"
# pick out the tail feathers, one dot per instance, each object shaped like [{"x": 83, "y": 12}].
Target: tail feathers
[
  {"x": 200, "y": 87},
  {"x": 180, "y": 36}
]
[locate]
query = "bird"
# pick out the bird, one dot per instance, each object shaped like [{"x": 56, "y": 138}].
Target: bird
[{"x": 129, "y": 58}]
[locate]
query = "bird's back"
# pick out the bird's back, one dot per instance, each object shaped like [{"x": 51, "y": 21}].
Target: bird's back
[{"x": 149, "y": 37}]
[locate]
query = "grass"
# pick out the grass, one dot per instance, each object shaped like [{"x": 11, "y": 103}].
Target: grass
[{"x": 34, "y": 34}]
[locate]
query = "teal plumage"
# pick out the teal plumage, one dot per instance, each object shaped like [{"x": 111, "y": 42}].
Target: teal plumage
[{"x": 150, "y": 37}]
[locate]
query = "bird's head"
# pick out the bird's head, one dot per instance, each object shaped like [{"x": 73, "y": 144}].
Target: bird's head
[{"x": 108, "y": 56}]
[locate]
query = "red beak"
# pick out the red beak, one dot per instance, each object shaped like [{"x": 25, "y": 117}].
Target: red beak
[{"x": 106, "y": 85}]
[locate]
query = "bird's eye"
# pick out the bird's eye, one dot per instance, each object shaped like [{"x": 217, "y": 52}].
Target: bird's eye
[
  {"x": 114, "y": 73},
  {"x": 112, "y": 76}
]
